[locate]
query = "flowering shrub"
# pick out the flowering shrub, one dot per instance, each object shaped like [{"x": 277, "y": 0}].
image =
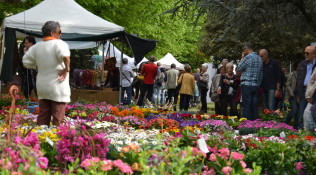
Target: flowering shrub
[
  {"x": 215, "y": 125},
  {"x": 268, "y": 128},
  {"x": 132, "y": 121},
  {"x": 272, "y": 115},
  {"x": 19, "y": 150},
  {"x": 227, "y": 162},
  {"x": 80, "y": 142}
]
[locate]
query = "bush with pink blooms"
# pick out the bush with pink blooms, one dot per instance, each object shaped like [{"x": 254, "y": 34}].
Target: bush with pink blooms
[
  {"x": 80, "y": 142},
  {"x": 95, "y": 165},
  {"x": 227, "y": 162},
  {"x": 19, "y": 150}
]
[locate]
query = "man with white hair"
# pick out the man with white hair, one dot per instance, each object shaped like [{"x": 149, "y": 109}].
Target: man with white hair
[
  {"x": 203, "y": 86},
  {"x": 304, "y": 73}
]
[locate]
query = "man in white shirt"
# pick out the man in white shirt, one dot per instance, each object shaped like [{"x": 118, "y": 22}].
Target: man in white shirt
[
  {"x": 127, "y": 75},
  {"x": 51, "y": 57}
]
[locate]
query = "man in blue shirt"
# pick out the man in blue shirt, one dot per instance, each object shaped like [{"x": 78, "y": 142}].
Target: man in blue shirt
[
  {"x": 304, "y": 73},
  {"x": 251, "y": 68}
]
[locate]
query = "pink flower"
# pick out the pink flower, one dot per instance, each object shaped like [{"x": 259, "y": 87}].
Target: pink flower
[
  {"x": 299, "y": 166},
  {"x": 226, "y": 170},
  {"x": 224, "y": 153},
  {"x": 126, "y": 169},
  {"x": 247, "y": 170},
  {"x": 243, "y": 164},
  {"x": 107, "y": 165},
  {"x": 118, "y": 163},
  {"x": 210, "y": 172},
  {"x": 237, "y": 156},
  {"x": 196, "y": 152},
  {"x": 213, "y": 150},
  {"x": 213, "y": 157},
  {"x": 95, "y": 159},
  {"x": 86, "y": 163},
  {"x": 43, "y": 162}
]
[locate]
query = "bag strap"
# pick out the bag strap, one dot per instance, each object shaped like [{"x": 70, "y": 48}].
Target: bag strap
[{"x": 126, "y": 77}]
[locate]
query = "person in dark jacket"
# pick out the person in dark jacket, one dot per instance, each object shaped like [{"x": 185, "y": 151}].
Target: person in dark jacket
[
  {"x": 28, "y": 75},
  {"x": 304, "y": 73},
  {"x": 271, "y": 77}
]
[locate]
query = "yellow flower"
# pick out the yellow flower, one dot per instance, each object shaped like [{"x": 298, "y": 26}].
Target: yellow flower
[
  {"x": 242, "y": 119},
  {"x": 126, "y": 123},
  {"x": 233, "y": 117}
]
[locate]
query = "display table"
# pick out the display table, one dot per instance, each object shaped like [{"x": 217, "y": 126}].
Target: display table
[{"x": 104, "y": 95}]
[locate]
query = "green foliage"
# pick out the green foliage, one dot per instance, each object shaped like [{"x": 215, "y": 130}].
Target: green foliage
[
  {"x": 50, "y": 153},
  {"x": 145, "y": 18},
  {"x": 277, "y": 158},
  {"x": 282, "y": 27}
]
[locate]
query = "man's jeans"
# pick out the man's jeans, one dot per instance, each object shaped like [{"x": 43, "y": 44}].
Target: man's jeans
[
  {"x": 293, "y": 112},
  {"x": 268, "y": 99},
  {"x": 129, "y": 92},
  {"x": 250, "y": 102},
  {"x": 143, "y": 89},
  {"x": 301, "y": 108},
  {"x": 158, "y": 94}
]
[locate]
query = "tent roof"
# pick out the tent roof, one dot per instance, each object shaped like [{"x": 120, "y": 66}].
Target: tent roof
[
  {"x": 143, "y": 60},
  {"x": 168, "y": 59},
  {"x": 72, "y": 17}
]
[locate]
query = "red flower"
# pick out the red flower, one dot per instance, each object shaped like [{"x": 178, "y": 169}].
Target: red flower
[
  {"x": 309, "y": 138},
  {"x": 266, "y": 111}
]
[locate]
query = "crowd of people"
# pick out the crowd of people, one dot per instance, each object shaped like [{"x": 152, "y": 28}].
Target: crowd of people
[{"x": 257, "y": 76}]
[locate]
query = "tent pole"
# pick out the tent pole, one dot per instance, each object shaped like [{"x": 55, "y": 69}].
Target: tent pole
[
  {"x": 2, "y": 51},
  {"x": 102, "y": 64},
  {"x": 122, "y": 50}
]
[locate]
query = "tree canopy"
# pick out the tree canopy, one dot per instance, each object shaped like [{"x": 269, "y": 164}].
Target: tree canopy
[{"x": 284, "y": 27}]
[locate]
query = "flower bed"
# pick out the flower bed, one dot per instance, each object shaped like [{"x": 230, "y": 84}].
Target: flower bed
[{"x": 101, "y": 138}]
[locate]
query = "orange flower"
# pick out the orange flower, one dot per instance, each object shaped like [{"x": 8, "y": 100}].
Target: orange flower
[
  {"x": 126, "y": 149},
  {"x": 292, "y": 137},
  {"x": 134, "y": 147},
  {"x": 135, "y": 166}
]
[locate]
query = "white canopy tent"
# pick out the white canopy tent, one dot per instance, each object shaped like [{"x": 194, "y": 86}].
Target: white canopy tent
[
  {"x": 72, "y": 17},
  {"x": 168, "y": 59},
  {"x": 113, "y": 51},
  {"x": 143, "y": 60}
]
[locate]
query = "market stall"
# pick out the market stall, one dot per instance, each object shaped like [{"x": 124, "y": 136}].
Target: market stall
[{"x": 77, "y": 24}]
